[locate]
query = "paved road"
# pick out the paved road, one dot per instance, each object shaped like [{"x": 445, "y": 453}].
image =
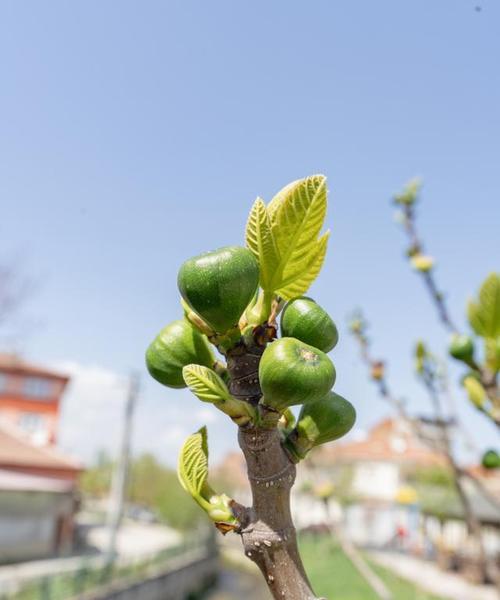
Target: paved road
[
  {"x": 238, "y": 585},
  {"x": 430, "y": 578}
]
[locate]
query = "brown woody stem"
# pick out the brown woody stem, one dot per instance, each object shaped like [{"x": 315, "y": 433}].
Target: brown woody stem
[
  {"x": 268, "y": 534},
  {"x": 269, "y": 538}
]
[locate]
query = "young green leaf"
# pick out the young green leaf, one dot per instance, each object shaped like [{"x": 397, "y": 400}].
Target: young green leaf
[
  {"x": 193, "y": 472},
  {"x": 260, "y": 241},
  {"x": 193, "y": 464},
  {"x": 484, "y": 315},
  {"x": 279, "y": 199},
  {"x": 296, "y": 286},
  {"x": 284, "y": 238},
  {"x": 298, "y": 219},
  {"x": 205, "y": 384}
]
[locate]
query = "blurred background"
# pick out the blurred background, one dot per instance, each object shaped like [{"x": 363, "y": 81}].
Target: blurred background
[{"x": 135, "y": 135}]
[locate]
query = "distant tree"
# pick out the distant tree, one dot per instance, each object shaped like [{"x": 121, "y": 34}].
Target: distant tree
[
  {"x": 480, "y": 379},
  {"x": 157, "y": 487},
  {"x": 96, "y": 480},
  {"x": 150, "y": 484},
  {"x": 478, "y": 350}
]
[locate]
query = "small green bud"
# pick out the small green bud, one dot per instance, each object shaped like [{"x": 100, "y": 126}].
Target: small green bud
[
  {"x": 491, "y": 459},
  {"x": 221, "y": 509},
  {"x": 409, "y": 195},
  {"x": 475, "y": 391},
  {"x": 462, "y": 348},
  {"x": 422, "y": 263},
  {"x": 324, "y": 491}
]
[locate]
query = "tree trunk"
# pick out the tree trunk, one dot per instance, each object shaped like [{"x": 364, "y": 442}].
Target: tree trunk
[
  {"x": 269, "y": 537},
  {"x": 268, "y": 534}
]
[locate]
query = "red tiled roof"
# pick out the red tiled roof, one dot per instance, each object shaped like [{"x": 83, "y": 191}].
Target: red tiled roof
[
  {"x": 389, "y": 440},
  {"x": 18, "y": 452}
]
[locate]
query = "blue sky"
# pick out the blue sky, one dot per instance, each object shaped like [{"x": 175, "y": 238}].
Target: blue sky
[{"x": 134, "y": 135}]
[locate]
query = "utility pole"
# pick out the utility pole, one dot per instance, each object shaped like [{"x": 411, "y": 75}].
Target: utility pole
[{"x": 120, "y": 475}]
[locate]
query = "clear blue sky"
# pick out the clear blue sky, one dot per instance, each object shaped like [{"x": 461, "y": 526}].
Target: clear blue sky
[{"x": 136, "y": 134}]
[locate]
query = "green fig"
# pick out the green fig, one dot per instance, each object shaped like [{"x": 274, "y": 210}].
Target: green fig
[
  {"x": 292, "y": 372},
  {"x": 462, "y": 348},
  {"x": 177, "y": 345},
  {"x": 219, "y": 285},
  {"x": 320, "y": 422},
  {"x": 327, "y": 419},
  {"x": 306, "y": 321},
  {"x": 491, "y": 459}
]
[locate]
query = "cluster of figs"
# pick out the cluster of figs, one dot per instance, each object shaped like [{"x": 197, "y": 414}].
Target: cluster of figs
[{"x": 219, "y": 290}]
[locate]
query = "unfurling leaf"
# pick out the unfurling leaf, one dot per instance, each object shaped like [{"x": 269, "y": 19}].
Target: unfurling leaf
[
  {"x": 484, "y": 315},
  {"x": 193, "y": 463},
  {"x": 475, "y": 391},
  {"x": 410, "y": 192},
  {"x": 260, "y": 241},
  {"x": 420, "y": 355},
  {"x": 207, "y": 386},
  {"x": 193, "y": 472}
]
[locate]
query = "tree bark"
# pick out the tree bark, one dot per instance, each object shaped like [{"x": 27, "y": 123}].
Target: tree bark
[{"x": 268, "y": 534}]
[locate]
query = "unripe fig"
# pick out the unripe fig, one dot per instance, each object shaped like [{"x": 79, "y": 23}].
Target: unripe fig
[
  {"x": 291, "y": 372},
  {"x": 219, "y": 285},
  {"x": 491, "y": 459},
  {"x": 306, "y": 321},
  {"x": 462, "y": 348},
  {"x": 177, "y": 345},
  {"x": 326, "y": 420}
]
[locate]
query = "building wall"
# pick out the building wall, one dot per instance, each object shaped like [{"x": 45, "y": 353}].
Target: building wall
[
  {"x": 380, "y": 480},
  {"x": 35, "y": 524},
  {"x": 31, "y": 403}
]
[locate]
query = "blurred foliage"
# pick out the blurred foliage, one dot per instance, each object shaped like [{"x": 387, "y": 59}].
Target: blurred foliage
[
  {"x": 96, "y": 481},
  {"x": 334, "y": 576},
  {"x": 151, "y": 485},
  {"x": 432, "y": 476}
]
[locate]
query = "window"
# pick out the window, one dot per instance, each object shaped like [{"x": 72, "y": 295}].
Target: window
[
  {"x": 31, "y": 422},
  {"x": 37, "y": 387}
]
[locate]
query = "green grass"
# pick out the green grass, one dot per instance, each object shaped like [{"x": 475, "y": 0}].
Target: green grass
[{"x": 333, "y": 576}]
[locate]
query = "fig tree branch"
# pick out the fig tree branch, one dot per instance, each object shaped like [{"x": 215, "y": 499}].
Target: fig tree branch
[{"x": 443, "y": 446}]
